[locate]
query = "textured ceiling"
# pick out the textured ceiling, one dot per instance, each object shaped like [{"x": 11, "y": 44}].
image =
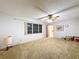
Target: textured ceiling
[{"x": 27, "y": 8}]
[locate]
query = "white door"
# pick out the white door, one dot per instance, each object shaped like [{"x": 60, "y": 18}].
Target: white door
[{"x": 50, "y": 31}]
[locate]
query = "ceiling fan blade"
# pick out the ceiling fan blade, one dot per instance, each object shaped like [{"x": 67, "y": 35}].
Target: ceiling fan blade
[
  {"x": 39, "y": 8},
  {"x": 66, "y": 9},
  {"x": 42, "y": 17}
]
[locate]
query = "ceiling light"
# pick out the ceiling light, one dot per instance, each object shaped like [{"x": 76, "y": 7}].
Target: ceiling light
[{"x": 55, "y": 17}]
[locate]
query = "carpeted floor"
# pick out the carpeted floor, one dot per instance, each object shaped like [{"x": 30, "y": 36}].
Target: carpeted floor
[{"x": 43, "y": 49}]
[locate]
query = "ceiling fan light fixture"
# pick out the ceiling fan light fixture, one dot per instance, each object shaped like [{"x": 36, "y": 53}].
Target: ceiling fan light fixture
[{"x": 55, "y": 17}]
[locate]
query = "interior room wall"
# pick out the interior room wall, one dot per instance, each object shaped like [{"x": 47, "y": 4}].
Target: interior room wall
[
  {"x": 10, "y": 26},
  {"x": 71, "y": 28}
]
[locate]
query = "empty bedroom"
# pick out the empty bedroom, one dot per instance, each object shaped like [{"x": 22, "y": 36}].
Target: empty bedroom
[{"x": 39, "y": 29}]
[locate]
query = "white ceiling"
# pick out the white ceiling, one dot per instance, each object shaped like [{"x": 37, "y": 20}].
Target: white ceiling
[{"x": 26, "y": 9}]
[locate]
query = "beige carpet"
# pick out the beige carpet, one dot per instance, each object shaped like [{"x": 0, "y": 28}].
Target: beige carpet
[{"x": 43, "y": 49}]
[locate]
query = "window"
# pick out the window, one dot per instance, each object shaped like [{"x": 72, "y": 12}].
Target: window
[
  {"x": 29, "y": 28},
  {"x": 40, "y": 28},
  {"x": 34, "y": 28}
]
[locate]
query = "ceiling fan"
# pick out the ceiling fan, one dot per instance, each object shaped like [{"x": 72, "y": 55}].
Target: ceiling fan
[{"x": 51, "y": 16}]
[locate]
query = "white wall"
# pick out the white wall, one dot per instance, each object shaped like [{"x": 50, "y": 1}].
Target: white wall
[
  {"x": 71, "y": 28},
  {"x": 15, "y": 28}
]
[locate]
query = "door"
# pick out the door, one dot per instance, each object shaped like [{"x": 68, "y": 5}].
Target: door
[{"x": 50, "y": 30}]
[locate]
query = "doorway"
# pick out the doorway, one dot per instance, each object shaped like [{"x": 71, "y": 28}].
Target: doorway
[{"x": 49, "y": 31}]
